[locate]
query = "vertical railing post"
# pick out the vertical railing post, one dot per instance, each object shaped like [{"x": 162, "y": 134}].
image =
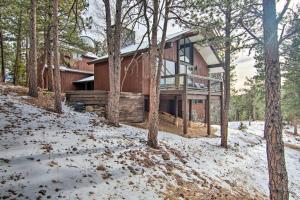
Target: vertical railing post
[{"x": 208, "y": 109}]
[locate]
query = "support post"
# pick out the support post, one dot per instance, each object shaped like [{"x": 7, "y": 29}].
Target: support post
[
  {"x": 190, "y": 112},
  {"x": 185, "y": 108},
  {"x": 221, "y": 107},
  {"x": 208, "y": 109},
  {"x": 176, "y": 110}
]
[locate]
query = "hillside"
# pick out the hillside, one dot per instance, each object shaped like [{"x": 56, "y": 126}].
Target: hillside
[{"x": 77, "y": 156}]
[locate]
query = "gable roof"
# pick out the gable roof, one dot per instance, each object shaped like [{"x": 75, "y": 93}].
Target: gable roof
[{"x": 207, "y": 52}]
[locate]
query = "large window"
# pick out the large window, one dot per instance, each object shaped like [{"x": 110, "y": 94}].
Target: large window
[
  {"x": 186, "y": 51},
  {"x": 168, "y": 68}
]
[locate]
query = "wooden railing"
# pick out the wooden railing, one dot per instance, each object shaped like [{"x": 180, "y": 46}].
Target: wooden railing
[{"x": 190, "y": 82}]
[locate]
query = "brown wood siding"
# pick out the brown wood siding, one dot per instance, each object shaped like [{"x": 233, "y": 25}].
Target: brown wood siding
[
  {"x": 101, "y": 80},
  {"x": 67, "y": 79},
  {"x": 83, "y": 65},
  {"x": 200, "y": 110},
  {"x": 138, "y": 78},
  {"x": 134, "y": 78},
  {"x": 202, "y": 68},
  {"x": 171, "y": 53}
]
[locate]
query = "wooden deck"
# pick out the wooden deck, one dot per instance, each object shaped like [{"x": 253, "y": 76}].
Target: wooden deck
[{"x": 187, "y": 87}]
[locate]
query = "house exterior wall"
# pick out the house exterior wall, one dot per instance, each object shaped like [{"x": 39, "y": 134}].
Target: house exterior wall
[
  {"x": 138, "y": 78},
  {"x": 202, "y": 68},
  {"x": 83, "y": 64},
  {"x": 133, "y": 80},
  {"x": 66, "y": 79}
]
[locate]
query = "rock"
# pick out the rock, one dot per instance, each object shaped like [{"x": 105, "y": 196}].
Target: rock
[
  {"x": 89, "y": 109},
  {"x": 166, "y": 156}
]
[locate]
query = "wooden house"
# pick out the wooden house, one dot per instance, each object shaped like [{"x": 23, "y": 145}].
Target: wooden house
[
  {"x": 186, "y": 83},
  {"x": 74, "y": 67}
]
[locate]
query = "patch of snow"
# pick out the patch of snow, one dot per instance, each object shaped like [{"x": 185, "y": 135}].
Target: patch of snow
[{"x": 48, "y": 155}]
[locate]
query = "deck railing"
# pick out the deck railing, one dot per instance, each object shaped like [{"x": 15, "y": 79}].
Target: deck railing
[{"x": 190, "y": 82}]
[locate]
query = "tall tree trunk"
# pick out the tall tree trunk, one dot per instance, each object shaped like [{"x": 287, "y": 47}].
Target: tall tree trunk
[
  {"x": 2, "y": 57},
  {"x": 224, "y": 126},
  {"x": 18, "y": 53},
  {"x": 154, "y": 99},
  {"x": 32, "y": 79},
  {"x": 57, "y": 82},
  {"x": 41, "y": 64},
  {"x": 49, "y": 59},
  {"x": 278, "y": 180},
  {"x": 155, "y": 71},
  {"x": 41, "y": 68},
  {"x": 27, "y": 62},
  {"x": 114, "y": 61},
  {"x": 48, "y": 47}
]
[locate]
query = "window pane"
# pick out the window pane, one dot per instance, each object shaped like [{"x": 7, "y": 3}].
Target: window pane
[
  {"x": 187, "y": 54},
  {"x": 170, "y": 67}
]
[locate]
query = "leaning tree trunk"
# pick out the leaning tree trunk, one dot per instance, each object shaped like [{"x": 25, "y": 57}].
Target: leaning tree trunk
[
  {"x": 57, "y": 82},
  {"x": 32, "y": 79},
  {"x": 2, "y": 58},
  {"x": 278, "y": 179},
  {"x": 224, "y": 125}
]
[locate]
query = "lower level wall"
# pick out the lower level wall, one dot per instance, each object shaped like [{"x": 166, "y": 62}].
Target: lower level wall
[
  {"x": 131, "y": 104},
  {"x": 198, "y": 108}
]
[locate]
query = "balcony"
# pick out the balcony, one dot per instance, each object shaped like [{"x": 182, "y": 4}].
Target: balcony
[{"x": 190, "y": 84}]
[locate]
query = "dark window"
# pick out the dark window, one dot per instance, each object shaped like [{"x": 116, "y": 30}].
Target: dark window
[{"x": 186, "y": 51}]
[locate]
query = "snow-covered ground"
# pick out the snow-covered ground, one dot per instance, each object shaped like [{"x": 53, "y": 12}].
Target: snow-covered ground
[{"x": 76, "y": 156}]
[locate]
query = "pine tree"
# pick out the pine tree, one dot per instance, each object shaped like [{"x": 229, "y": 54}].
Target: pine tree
[
  {"x": 32, "y": 76},
  {"x": 57, "y": 86},
  {"x": 278, "y": 179},
  {"x": 291, "y": 87}
]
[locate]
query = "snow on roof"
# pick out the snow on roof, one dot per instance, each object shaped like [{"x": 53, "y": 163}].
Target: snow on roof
[
  {"x": 144, "y": 45},
  {"x": 87, "y": 79},
  {"x": 90, "y": 55},
  {"x": 63, "y": 68},
  {"x": 67, "y": 69}
]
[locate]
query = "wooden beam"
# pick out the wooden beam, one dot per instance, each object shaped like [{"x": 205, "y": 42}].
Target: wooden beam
[
  {"x": 215, "y": 65},
  {"x": 208, "y": 110},
  {"x": 185, "y": 108},
  {"x": 190, "y": 111},
  {"x": 176, "y": 110}
]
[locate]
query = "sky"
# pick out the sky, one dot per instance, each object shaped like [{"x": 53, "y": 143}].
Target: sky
[{"x": 243, "y": 61}]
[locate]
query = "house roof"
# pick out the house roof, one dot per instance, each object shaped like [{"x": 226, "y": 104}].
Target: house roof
[
  {"x": 63, "y": 68},
  {"x": 207, "y": 51},
  {"x": 67, "y": 69},
  {"x": 90, "y": 55},
  {"x": 87, "y": 79},
  {"x": 143, "y": 46}
]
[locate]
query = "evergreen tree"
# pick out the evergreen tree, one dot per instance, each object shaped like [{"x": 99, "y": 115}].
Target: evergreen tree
[{"x": 291, "y": 87}]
